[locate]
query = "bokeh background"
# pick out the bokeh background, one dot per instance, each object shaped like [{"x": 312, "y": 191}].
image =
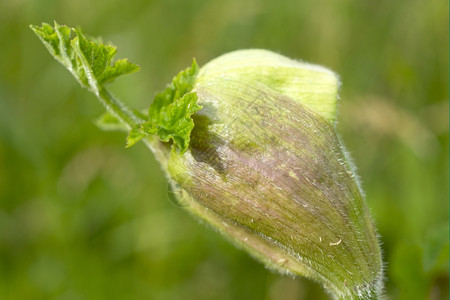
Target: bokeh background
[{"x": 83, "y": 218}]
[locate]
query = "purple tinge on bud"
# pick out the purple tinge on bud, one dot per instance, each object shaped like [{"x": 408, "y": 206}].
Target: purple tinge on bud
[{"x": 270, "y": 173}]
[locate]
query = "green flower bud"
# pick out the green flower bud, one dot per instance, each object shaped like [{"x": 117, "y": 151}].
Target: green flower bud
[{"x": 266, "y": 168}]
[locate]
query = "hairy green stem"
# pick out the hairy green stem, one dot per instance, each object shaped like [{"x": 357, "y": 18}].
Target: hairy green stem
[{"x": 118, "y": 109}]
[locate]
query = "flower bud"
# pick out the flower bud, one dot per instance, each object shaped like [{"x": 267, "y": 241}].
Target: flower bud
[{"x": 266, "y": 168}]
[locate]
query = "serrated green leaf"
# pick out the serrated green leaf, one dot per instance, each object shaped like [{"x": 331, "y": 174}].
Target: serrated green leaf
[
  {"x": 181, "y": 84},
  {"x": 134, "y": 136},
  {"x": 184, "y": 81},
  {"x": 175, "y": 121},
  {"x": 48, "y": 36},
  {"x": 57, "y": 40},
  {"x": 171, "y": 111},
  {"x": 90, "y": 62}
]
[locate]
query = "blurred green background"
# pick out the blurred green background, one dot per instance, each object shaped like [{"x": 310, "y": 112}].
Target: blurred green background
[{"x": 83, "y": 218}]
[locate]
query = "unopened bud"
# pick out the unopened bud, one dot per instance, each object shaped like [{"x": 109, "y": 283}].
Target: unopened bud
[{"x": 266, "y": 168}]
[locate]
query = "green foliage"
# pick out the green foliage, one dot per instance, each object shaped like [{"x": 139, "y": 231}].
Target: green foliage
[
  {"x": 171, "y": 111},
  {"x": 89, "y": 61}
]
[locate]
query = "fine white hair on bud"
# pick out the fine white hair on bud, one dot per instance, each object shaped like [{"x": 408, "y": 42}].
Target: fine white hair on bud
[{"x": 265, "y": 167}]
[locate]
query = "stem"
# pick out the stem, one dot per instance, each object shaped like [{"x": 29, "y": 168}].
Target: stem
[
  {"x": 118, "y": 109},
  {"x": 130, "y": 119}
]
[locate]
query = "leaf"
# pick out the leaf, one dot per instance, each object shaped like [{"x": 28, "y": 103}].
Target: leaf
[
  {"x": 171, "y": 111},
  {"x": 140, "y": 131},
  {"x": 181, "y": 84},
  {"x": 176, "y": 123},
  {"x": 89, "y": 61}
]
